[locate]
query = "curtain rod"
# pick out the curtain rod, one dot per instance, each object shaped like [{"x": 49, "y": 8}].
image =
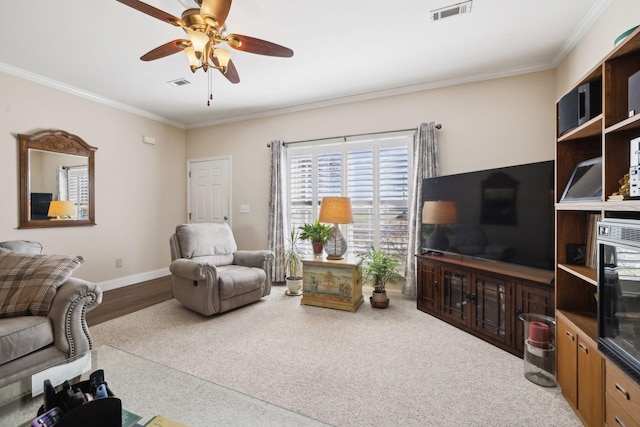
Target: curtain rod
[{"x": 438, "y": 126}]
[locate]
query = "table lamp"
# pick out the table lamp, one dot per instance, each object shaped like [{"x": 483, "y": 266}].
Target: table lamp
[
  {"x": 336, "y": 210},
  {"x": 439, "y": 213},
  {"x": 61, "y": 209}
]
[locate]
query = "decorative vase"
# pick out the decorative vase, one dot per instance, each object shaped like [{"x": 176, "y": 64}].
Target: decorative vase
[
  {"x": 294, "y": 287},
  {"x": 317, "y": 247},
  {"x": 379, "y": 299}
]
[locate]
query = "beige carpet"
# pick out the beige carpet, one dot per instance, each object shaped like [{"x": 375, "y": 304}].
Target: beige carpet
[{"x": 397, "y": 366}]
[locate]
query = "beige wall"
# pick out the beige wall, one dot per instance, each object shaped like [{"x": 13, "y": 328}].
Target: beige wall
[
  {"x": 596, "y": 44},
  {"x": 140, "y": 188},
  {"x": 493, "y": 123}
]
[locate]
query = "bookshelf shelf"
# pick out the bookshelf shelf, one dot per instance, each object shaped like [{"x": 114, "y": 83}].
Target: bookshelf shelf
[
  {"x": 587, "y": 274},
  {"x": 607, "y": 135}
]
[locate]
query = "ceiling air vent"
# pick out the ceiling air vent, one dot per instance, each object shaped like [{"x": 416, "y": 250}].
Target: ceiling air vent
[
  {"x": 449, "y": 11},
  {"x": 179, "y": 82}
]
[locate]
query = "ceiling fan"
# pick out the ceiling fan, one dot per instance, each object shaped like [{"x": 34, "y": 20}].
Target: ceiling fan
[{"x": 206, "y": 30}]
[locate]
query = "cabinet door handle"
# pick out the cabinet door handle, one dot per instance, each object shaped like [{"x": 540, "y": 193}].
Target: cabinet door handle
[
  {"x": 584, "y": 348},
  {"x": 620, "y": 423},
  {"x": 622, "y": 391},
  {"x": 435, "y": 285},
  {"x": 571, "y": 337}
]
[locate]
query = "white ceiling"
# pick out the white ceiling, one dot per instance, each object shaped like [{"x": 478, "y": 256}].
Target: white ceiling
[{"x": 344, "y": 51}]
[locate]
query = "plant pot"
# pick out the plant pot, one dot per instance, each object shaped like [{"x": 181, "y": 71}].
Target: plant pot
[
  {"x": 379, "y": 300},
  {"x": 317, "y": 247},
  {"x": 294, "y": 286}
]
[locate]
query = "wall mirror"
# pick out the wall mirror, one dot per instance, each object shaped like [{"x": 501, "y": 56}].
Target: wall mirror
[{"x": 57, "y": 187}]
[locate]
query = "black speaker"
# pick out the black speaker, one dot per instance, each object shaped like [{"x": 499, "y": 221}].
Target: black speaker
[
  {"x": 568, "y": 112},
  {"x": 634, "y": 94},
  {"x": 575, "y": 253},
  {"x": 589, "y": 100}
]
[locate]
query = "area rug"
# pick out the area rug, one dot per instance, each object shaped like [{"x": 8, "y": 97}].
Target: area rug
[{"x": 374, "y": 367}]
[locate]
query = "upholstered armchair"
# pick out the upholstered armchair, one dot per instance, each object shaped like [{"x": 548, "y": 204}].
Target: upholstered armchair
[{"x": 210, "y": 275}]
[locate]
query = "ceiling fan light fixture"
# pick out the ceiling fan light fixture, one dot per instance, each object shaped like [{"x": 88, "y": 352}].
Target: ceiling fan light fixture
[
  {"x": 194, "y": 62},
  {"x": 205, "y": 27},
  {"x": 199, "y": 40},
  {"x": 223, "y": 56}
]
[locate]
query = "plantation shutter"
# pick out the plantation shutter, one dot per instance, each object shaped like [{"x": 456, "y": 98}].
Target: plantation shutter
[
  {"x": 78, "y": 189},
  {"x": 373, "y": 172}
]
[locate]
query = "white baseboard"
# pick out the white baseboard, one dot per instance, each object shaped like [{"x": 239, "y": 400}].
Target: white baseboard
[{"x": 121, "y": 282}]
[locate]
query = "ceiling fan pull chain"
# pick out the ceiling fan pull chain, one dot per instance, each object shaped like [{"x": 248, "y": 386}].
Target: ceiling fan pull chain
[{"x": 209, "y": 85}]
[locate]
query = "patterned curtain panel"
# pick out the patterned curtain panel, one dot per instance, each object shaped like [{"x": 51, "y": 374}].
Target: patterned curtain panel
[
  {"x": 276, "y": 209},
  {"x": 425, "y": 165}
]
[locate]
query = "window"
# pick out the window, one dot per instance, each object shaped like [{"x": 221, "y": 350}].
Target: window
[
  {"x": 78, "y": 185},
  {"x": 73, "y": 185},
  {"x": 373, "y": 172}
]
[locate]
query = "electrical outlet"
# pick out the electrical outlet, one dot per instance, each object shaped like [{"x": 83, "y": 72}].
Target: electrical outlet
[{"x": 119, "y": 263}]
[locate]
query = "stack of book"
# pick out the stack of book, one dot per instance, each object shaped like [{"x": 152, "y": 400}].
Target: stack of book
[{"x": 591, "y": 249}]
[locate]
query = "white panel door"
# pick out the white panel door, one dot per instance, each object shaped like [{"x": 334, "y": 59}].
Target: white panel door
[{"x": 209, "y": 190}]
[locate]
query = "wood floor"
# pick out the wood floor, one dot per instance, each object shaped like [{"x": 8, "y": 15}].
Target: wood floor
[{"x": 121, "y": 301}]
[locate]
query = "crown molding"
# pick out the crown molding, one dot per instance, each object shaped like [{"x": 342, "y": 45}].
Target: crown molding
[
  {"x": 36, "y": 78},
  {"x": 590, "y": 18},
  {"x": 379, "y": 94}
]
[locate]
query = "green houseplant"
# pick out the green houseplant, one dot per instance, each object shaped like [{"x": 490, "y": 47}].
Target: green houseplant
[
  {"x": 316, "y": 233},
  {"x": 378, "y": 268},
  {"x": 292, "y": 258}
]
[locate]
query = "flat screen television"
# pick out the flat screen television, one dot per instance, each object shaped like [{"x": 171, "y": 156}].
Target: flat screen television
[
  {"x": 504, "y": 214},
  {"x": 40, "y": 206}
]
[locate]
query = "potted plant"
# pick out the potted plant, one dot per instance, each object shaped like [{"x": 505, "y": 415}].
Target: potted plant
[
  {"x": 292, "y": 256},
  {"x": 378, "y": 268},
  {"x": 316, "y": 233}
]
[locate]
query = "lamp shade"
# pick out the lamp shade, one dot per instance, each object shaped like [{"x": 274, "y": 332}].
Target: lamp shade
[
  {"x": 191, "y": 56},
  {"x": 199, "y": 41},
  {"x": 223, "y": 56},
  {"x": 61, "y": 208},
  {"x": 336, "y": 210},
  {"x": 439, "y": 212}
]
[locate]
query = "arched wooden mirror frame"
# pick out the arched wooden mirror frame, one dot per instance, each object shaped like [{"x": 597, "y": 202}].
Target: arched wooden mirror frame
[{"x": 61, "y": 142}]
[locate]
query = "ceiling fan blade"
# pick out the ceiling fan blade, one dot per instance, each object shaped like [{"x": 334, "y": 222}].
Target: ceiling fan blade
[
  {"x": 257, "y": 46},
  {"x": 166, "y": 50},
  {"x": 231, "y": 73},
  {"x": 216, "y": 9},
  {"x": 152, "y": 11}
]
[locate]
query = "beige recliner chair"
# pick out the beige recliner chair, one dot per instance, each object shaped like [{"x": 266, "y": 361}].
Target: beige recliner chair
[{"x": 210, "y": 275}]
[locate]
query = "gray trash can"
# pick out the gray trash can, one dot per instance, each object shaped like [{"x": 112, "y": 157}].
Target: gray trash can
[{"x": 539, "y": 349}]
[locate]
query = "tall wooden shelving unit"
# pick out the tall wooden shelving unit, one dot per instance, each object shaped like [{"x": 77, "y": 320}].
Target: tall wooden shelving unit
[{"x": 581, "y": 368}]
